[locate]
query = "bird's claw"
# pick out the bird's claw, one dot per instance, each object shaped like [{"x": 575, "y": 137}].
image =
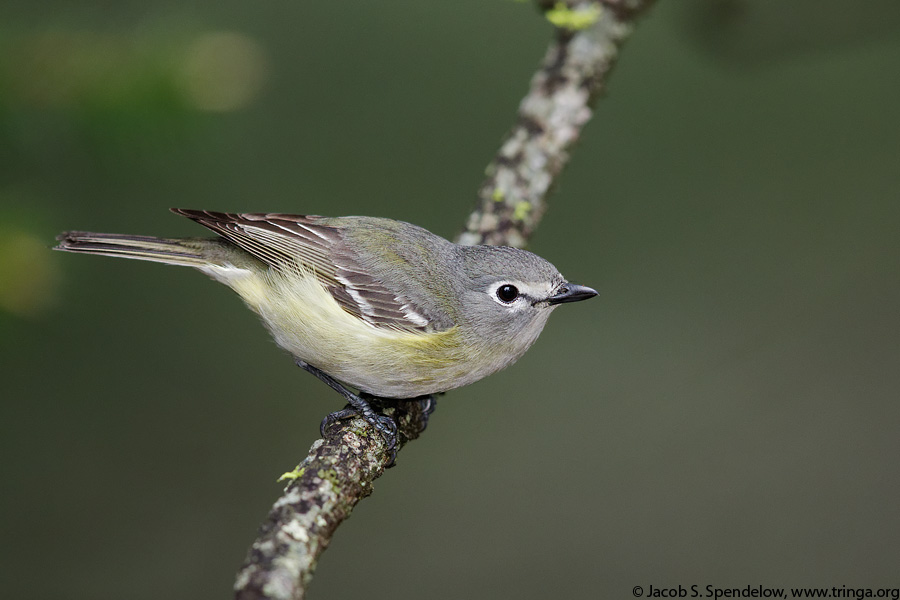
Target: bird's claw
[{"x": 383, "y": 424}]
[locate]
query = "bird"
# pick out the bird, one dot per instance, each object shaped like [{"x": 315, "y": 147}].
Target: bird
[{"x": 380, "y": 305}]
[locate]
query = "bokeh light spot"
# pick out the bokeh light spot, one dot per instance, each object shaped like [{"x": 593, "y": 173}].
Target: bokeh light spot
[
  {"x": 28, "y": 276},
  {"x": 223, "y": 71}
]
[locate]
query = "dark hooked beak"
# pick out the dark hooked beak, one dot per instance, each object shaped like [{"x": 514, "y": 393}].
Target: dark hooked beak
[{"x": 571, "y": 292}]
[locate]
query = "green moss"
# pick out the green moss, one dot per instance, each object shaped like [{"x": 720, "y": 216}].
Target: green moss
[
  {"x": 521, "y": 211},
  {"x": 573, "y": 19},
  {"x": 330, "y": 476},
  {"x": 362, "y": 431},
  {"x": 498, "y": 195},
  {"x": 297, "y": 473}
]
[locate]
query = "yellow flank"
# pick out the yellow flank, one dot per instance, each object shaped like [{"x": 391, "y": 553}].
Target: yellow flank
[
  {"x": 252, "y": 288},
  {"x": 308, "y": 322}
]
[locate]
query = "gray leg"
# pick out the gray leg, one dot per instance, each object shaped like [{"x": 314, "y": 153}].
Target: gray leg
[
  {"x": 359, "y": 405},
  {"x": 428, "y": 404}
]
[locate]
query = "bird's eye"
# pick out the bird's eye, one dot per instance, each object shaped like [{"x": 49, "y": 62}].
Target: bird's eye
[{"x": 507, "y": 293}]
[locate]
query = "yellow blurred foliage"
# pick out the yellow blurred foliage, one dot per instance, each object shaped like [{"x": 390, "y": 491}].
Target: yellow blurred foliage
[
  {"x": 222, "y": 71},
  {"x": 28, "y": 275},
  {"x": 59, "y": 69}
]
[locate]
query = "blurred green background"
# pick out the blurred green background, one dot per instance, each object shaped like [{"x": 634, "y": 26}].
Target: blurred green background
[{"x": 725, "y": 413}]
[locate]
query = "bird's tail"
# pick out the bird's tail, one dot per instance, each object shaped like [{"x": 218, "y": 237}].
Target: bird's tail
[{"x": 189, "y": 253}]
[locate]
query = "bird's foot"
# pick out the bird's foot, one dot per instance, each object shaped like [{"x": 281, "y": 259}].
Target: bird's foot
[
  {"x": 358, "y": 405},
  {"x": 383, "y": 424}
]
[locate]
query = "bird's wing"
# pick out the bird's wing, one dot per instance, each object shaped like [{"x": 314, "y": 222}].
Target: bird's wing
[{"x": 285, "y": 241}]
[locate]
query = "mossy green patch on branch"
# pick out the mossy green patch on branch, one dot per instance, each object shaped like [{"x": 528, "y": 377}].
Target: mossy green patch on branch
[
  {"x": 331, "y": 476},
  {"x": 297, "y": 473},
  {"x": 521, "y": 211},
  {"x": 574, "y": 19}
]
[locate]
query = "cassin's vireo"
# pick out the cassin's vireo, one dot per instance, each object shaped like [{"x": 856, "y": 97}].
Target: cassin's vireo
[{"x": 381, "y": 305}]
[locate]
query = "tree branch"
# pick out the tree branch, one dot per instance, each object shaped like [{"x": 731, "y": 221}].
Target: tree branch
[
  {"x": 336, "y": 474},
  {"x": 512, "y": 199},
  {"x": 340, "y": 468}
]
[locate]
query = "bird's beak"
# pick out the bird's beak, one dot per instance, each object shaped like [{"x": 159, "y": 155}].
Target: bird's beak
[{"x": 571, "y": 292}]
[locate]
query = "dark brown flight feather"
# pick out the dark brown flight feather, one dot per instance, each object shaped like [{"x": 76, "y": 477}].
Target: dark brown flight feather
[{"x": 283, "y": 241}]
